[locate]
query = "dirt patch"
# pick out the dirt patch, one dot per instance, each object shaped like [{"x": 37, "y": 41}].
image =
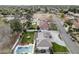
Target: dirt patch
[
  {"x": 43, "y": 16},
  {"x": 6, "y": 39}
]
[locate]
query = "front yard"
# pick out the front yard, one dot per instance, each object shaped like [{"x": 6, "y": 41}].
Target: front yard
[
  {"x": 27, "y": 37},
  {"x": 58, "y": 48}
]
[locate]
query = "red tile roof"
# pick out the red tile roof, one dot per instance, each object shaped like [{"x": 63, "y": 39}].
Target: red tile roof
[
  {"x": 76, "y": 23},
  {"x": 43, "y": 25}
]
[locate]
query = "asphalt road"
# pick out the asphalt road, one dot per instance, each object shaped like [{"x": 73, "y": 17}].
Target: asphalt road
[{"x": 74, "y": 49}]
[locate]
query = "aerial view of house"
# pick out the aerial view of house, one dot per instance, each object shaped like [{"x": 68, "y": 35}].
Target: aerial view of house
[{"x": 39, "y": 29}]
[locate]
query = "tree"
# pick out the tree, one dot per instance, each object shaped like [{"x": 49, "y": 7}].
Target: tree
[
  {"x": 69, "y": 22},
  {"x": 38, "y": 9},
  {"x": 46, "y": 10},
  {"x": 15, "y": 25},
  {"x": 61, "y": 11},
  {"x": 73, "y": 10},
  {"x": 70, "y": 30},
  {"x": 38, "y": 28},
  {"x": 28, "y": 24},
  {"x": 62, "y": 15}
]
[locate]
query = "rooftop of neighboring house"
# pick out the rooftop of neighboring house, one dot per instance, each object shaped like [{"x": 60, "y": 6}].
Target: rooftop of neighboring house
[
  {"x": 76, "y": 23},
  {"x": 44, "y": 25},
  {"x": 73, "y": 14},
  {"x": 67, "y": 17},
  {"x": 23, "y": 21},
  {"x": 70, "y": 13},
  {"x": 10, "y": 18},
  {"x": 22, "y": 17},
  {"x": 76, "y": 14}
]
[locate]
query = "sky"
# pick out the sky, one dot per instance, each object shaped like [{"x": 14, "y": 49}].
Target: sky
[{"x": 39, "y": 2}]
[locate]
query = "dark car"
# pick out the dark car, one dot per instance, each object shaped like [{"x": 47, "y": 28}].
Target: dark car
[{"x": 43, "y": 51}]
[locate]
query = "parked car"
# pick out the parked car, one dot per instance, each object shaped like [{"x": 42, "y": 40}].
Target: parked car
[
  {"x": 73, "y": 39},
  {"x": 43, "y": 51}
]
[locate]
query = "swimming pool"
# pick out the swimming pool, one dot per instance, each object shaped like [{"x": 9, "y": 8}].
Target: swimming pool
[{"x": 24, "y": 49}]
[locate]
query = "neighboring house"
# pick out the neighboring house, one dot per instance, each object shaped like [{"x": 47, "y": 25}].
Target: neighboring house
[
  {"x": 71, "y": 13},
  {"x": 23, "y": 19},
  {"x": 10, "y": 17},
  {"x": 42, "y": 20},
  {"x": 76, "y": 15},
  {"x": 76, "y": 24},
  {"x": 1, "y": 15},
  {"x": 44, "y": 25},
  {"x": 68, "y": 17}
]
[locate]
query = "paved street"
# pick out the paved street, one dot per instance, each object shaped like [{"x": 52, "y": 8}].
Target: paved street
[{"x": 70, "y": 44}]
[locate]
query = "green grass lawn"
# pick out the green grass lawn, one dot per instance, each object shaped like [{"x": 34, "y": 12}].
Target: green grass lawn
[
  {"x": 28, "y": 37},
  {"x": 58, "y": 48}
]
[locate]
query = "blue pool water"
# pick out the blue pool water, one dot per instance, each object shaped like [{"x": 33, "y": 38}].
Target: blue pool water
[{"x": 24, "y": 50}]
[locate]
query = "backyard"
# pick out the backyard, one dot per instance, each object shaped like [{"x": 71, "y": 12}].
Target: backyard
[{"x": 27, "y": 37}]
